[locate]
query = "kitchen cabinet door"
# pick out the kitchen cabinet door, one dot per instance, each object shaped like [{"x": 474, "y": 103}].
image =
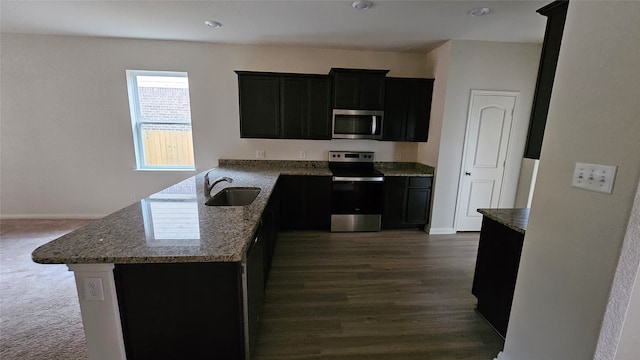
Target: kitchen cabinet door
[
  {"x": 407, "y": 202},
  {"x": 319, "y": 109},
  {"x": 253, "y": 283},
  {"x": 259, "y": 105},
  {"x": 395, "y": 189},
  {"x": 305, "y": 202},
  {"x": 372, "y": 91},
  {"x": 295, "y": 107},
  {"x": 418, "y": 201},
  {"x": 292, "y": 202},
  {"x": 270, "y": 228},
  {"x": 407, "y": 109},
  {"x": 419, "y": 110},
  {"x": 357, "y": 89},
  {"x": 318, "y": 207},
  {"x": 306, "y": 107}
]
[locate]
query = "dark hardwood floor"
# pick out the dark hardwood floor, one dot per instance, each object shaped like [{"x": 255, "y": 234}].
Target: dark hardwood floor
[{"x": 387, "y": 295}]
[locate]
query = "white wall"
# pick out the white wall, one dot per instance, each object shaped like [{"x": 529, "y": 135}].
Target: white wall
[
  {"x": 440, "y": 58},
  {"x": 66, "y": 143},
  {"x": 527, "y": 182},
  {"x": 629, "y": 344},
  {"x": 477, "y": 65},
  {"x": 574, "y": 237}
]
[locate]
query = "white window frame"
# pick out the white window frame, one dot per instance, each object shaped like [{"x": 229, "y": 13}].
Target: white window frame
[{"x": 137, "y": 121}]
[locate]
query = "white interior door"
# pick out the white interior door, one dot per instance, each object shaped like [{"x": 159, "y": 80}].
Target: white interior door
[{"x": 485, "y": 152}]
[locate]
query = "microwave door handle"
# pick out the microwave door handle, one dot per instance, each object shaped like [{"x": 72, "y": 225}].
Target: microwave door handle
[{"x": 374, "y": 125}]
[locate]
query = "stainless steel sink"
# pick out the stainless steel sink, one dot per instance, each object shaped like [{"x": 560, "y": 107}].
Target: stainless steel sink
[{"x": 234, "y": 196}]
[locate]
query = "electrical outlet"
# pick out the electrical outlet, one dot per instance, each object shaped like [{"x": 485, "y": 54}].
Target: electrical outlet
[
  {"x": 303, "y": 154},
  {"x": 594, "y": 177},
  {"x": 93, "y": 289},
  {"x": 398, "y": 155},
  {"x": 260, "y": 154}
]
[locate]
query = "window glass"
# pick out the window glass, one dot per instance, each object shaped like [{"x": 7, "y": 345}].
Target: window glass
[{"x": 161, "y": 119}]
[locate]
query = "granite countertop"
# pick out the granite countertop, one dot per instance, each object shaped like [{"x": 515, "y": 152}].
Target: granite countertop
[
  {"x": 322, "y": 167},
  {"x": 174, "y": 225},
  {"x": 515, "y": 219},
  {"x": 405, "y": 169}
]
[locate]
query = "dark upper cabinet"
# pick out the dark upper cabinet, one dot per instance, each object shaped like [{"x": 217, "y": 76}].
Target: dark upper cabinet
[
  {"x": 284, "y": 106},
  {"x": 295, "y": 106},
  {"x": 556, "y": 13},
  {"x": 407, "y": 202},
  {"x": 357, "y": 89},
  {"x": 319, "y": 114},
  {"x": 259, "y": 105},
  {"x": 407, "y": 109},
  {"x": 299, "y": 106},
  {"x": 305, "y": 107}
]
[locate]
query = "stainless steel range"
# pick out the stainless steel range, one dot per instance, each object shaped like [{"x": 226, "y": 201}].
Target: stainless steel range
[{"x": 356, "y": 202}]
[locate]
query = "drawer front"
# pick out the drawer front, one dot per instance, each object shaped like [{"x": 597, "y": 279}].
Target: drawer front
[{"x": 420, "y": 182}]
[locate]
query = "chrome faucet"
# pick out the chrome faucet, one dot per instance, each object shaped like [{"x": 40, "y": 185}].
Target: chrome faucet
[{"x": 208, "y": 187}]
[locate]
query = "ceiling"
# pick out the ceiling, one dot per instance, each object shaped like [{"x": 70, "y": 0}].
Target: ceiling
[{"x": 391, "y": 25}]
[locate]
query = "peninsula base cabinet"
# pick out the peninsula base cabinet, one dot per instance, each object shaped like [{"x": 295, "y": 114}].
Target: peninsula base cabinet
[
  {"x": 181, "y": 311},
  {"x": 196, "y": 310},
  {"x": 497, "y": 264},
  {"x": 407, "y": 202}
]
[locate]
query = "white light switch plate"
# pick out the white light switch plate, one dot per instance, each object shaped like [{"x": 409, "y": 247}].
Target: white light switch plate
[{"x": 594, "y": 177}]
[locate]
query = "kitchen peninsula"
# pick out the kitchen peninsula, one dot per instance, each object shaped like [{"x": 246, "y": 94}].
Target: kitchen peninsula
[
  {"x": 170, "y": 277},
  {"x": 498, "y": 260}
]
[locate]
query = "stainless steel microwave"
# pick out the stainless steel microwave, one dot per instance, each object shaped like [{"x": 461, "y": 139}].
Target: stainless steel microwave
[{"x": 357, "y": 124}]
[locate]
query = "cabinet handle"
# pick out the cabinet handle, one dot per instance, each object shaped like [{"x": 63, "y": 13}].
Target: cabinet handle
[{"x": 467, "y": 173}]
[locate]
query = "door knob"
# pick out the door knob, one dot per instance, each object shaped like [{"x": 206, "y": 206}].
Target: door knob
[{"x": 467, "y": 173}]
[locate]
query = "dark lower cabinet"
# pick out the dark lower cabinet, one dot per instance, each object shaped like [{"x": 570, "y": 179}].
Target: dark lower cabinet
[
  {"x": 253, "y": 284},
  {"x": 497, "y": 264},
  {"x": 181, "y": 311},
  {"x": 197, "y": 310},
  {"x": 407, "y": 109},
  {"x": 270, "y": 228},
  {"x": 305, "y": 202},
  {"x": 407, "y": 202}
]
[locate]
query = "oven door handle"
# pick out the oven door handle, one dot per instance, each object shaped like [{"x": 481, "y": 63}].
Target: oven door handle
[{"x": 359, "y": 179}]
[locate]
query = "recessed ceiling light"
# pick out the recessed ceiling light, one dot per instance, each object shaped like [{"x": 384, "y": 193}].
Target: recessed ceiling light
[
  {"x": 213, "y": 24},
  {"x": 479, "y": 11},
  {"x": 361, "y": 4}
]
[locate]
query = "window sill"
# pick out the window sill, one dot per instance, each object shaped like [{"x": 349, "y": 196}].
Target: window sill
[{"x": 165, "y": 170}]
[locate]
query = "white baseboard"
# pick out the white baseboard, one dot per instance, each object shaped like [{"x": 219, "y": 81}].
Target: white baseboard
[
  {"x": 501, "y": 356},
  {"x": 51, "y": 216},
  {"x": 442, "y": 231}
]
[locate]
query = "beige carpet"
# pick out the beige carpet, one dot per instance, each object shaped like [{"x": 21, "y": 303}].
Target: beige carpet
[{"x": 39, "y": 310}]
